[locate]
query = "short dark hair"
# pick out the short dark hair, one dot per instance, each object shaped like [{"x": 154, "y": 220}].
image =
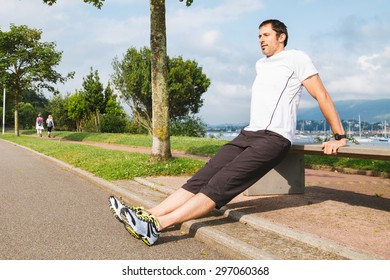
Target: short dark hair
[{"x": 278, "y": 26}]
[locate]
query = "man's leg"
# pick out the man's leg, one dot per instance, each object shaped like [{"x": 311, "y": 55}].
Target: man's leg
[
  {"x": 171, "y": 203},
  {"x": 195, "y": 207}
]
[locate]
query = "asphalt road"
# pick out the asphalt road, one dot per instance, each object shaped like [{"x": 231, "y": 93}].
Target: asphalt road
[{"x": 48, "y": 212}]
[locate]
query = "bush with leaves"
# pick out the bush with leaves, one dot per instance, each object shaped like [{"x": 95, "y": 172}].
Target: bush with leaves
[{"x": 188, "y": 126}]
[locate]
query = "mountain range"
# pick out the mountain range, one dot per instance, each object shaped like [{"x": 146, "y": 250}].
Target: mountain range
[{"x": 371, "y": 111}]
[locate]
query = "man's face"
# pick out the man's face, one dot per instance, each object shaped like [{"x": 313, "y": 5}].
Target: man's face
[{"x": 270, "y": 43}]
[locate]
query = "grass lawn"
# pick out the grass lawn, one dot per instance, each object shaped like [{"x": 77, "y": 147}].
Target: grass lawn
[
  {"x": 107, "y": 164},
  {"x": 191, "y": 145}
]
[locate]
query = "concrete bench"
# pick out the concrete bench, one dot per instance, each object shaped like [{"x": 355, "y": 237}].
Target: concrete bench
[{"x": 289, "y": 176}]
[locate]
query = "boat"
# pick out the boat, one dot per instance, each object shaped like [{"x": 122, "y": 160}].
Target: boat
[
  {"x": 362, "y": 139},
  {"x": 385, "y": 138}
]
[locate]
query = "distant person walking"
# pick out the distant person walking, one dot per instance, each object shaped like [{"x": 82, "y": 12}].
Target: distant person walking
[
  {"x": 39, "y": 125},
  {"x": 50, "y": 125}
]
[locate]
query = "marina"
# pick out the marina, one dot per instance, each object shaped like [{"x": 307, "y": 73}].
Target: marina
[
  {"x": 356, "y": 131},
  {"x": 309, "y": 138}
]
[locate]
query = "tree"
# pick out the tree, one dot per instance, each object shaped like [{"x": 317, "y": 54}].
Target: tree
[
  {"x": 58, "y": 108},
  {"x": 108, "y": 96},
  {"x": 37, "y": 99},
  {"x": 77, "y": 108},
  {"x": 115, "y": 118},
  {"x": 27, "y": 115},
  {"x": 94, "y": 96},
  {"x": 188, "y": 126},
  {"x": 186, "y": 84},
  {"x": 132, "y": 78},
  {"x": 27, "y": 63},
  {"x": 161, "y": 148}
]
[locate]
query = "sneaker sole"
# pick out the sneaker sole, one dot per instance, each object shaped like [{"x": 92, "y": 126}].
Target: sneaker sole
[
  {"x": 116, "y": 215},
  {"x": 132, "y": 232},
  {"x": 146, "y": 241},
  {"x": 114, "y": 212}
]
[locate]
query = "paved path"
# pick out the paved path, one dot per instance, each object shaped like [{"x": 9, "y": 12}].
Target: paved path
[{"x": 49, "y": 212}]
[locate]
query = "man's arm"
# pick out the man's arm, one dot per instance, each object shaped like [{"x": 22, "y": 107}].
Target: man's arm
[{"x": 315, "y": 87}]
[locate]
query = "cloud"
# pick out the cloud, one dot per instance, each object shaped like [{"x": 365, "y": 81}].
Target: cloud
[
  {"x": 353, "y": 58},
  {"x": 367, "y": 63},
  {"x": 365, "y": 77}
]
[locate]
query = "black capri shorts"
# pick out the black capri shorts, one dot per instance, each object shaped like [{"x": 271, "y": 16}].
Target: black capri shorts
[{"x": 238, "y": 165}]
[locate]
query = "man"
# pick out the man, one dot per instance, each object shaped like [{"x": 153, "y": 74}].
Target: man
[{"x": 263, "y": 144}]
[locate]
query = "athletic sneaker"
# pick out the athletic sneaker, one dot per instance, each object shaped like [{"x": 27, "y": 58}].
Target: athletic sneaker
[
  {"x": 141, "y": 226},
  {"x": 116, "y": 206}
]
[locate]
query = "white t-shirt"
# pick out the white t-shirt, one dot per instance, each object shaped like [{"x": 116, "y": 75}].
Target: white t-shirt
[{"x": 276, "y": 91}]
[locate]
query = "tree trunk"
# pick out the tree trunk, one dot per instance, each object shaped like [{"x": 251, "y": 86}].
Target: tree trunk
[{"x": 161, "y": 149}]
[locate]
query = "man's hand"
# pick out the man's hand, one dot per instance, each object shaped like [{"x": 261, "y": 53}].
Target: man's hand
[{"x": 331, "y": 147}]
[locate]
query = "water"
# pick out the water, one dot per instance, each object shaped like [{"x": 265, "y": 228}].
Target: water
[{"x": 304, "y": 139}]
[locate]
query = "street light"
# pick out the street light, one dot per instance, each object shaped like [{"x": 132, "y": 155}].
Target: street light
[{"x": 3, "y": 110}]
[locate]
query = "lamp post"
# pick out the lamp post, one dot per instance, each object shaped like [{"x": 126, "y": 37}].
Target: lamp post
[{"x": 3, "y": 110}]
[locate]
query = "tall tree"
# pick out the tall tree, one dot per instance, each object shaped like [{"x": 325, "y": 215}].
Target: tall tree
[
  {"x": 108, "y": 96},
  {"x": 186, "y": 85},
  {"x": 27, "y": 63},
  {"x": 77, "y": 109},
  {"x": 94, "y": 96},
  {"x": 161, "y": 148}
]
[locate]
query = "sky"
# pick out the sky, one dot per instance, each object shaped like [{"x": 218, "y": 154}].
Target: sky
[{"x": 347, "y": 40}]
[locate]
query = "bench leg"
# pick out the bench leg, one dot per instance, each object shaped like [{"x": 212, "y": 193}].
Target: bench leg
[{"x": 286, "y": 178}]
